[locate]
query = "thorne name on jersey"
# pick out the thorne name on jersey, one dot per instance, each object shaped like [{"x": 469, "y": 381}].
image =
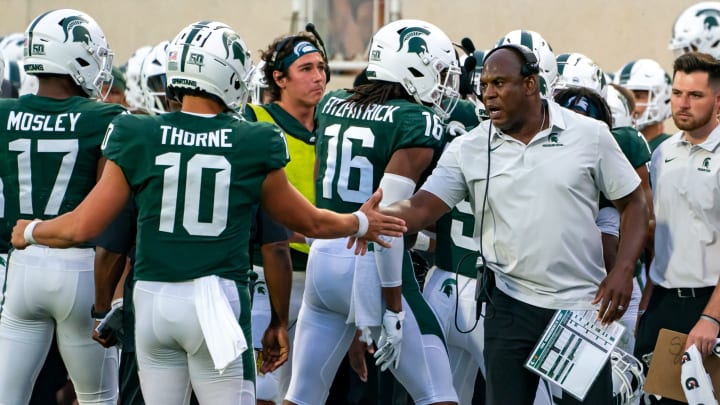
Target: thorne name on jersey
[
  {"x": 26, "y": 121},
  {"x": 339, "y": 107},
  {"x": 213, "y": 139}
]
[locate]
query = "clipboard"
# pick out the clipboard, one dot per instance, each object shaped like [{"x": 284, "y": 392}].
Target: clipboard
[{"x": 663, "y": 376}]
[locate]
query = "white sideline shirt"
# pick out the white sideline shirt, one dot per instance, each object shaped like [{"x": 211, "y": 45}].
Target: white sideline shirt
[
  {"x": 539, "y": 230},
  {"x": 686, "y": 197}
]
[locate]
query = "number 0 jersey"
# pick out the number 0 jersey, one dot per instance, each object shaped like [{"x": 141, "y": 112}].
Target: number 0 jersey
[
  {"x": 49, "y": 152},
  {"x": 197, "y": 182},
  {"x": 354, "y": 144}
]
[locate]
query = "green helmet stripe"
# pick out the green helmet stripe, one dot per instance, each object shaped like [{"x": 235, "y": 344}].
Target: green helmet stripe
[
  {"x": 561, "y": 62},
  {"x": 32, "y": 27},
  {"x": 188, "y": 40},
  {"x": 526, "y": 39},
  {"x": 625, "y": 73}
]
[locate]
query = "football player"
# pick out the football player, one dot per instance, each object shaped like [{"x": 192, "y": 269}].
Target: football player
[
  {"x": 697, "y": 28},
  {"x": 651, "y": 87},
  {"x": 382, "y": 134},
  {"x": 54, "y": 141},
  {"x": 196, "y": 176},
  {"x": 295, "y": 75},
  {"x": 131, "y": 68}
]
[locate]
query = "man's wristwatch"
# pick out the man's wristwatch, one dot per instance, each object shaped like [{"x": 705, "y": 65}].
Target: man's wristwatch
[{"x": 97, "y": 315}]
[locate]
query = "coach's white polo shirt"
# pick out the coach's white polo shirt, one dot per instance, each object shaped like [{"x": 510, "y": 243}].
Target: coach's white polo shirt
[
  {"x": 686, "y": 197},
  {"x": 539, "y": 226}
]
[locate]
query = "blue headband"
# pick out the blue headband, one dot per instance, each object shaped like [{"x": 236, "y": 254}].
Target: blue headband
[
  {"x": 300, "y": 49},
  {"x": 583, "y": 105}
]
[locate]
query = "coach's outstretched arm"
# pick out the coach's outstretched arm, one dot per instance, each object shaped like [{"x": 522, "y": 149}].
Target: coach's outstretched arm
[{"x": 420, "y": 211}]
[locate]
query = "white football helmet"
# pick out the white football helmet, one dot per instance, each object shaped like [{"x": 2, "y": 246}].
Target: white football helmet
[
  {"x": 12, "y": 46},
  {"x": 69, "y": 42},
  {"x": 133, "y": 66},
  {"x": 210, "y": 57},
  {"x": 627, "y": 376},
  {"x": 577, "y": 70},
  {"x": 420, "y": 57},
  {"x": 648, "y": 75},
  {"x": 153, "y": 79},
  {"x": 620, "y": 108},
  {"x": 697, "y": 28},
  {"x": 543, "y": 52}
]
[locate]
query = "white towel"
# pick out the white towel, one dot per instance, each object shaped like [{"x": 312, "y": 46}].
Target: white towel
[
  {"x": 695, "y": 380},
  {"x": 224, "y": 337},
  {"x": 366, "y": 305}
]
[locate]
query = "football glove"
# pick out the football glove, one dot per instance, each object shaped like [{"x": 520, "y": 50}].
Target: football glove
[{"x": 390, "y": 342}]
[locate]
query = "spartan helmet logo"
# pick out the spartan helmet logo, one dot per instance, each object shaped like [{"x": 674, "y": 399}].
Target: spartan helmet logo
[
  {"x": 76, "y": 26},
  {"x": 711, "y": 18},
  {"x": 447, "y": 286},
  {"x": 553, "y": 138},
  {"x": 233, "y": 46},
  {"x": 706, "y": 163},
  {"x": 413, "y": 37}
]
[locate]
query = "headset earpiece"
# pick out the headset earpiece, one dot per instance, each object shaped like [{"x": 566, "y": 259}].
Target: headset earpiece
[
  {"x": 278, "y": 48},
  {"x": 530, "y": 64},
  {"x": 310, "y": 27}
]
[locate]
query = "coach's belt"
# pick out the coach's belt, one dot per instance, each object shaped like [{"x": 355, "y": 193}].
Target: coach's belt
[{"x": 688, "y": 292}]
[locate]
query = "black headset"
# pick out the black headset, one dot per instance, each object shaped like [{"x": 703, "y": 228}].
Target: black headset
[
  {"x": 530, "y": 62},
  {"x": 310, "y": 27}
]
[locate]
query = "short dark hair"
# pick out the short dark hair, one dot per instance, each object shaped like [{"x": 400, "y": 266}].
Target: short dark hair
[
  {"x": 277, "y": 51},
  {"x": 698, "y": 62}
]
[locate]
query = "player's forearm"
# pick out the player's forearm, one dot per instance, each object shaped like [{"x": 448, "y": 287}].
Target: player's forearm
[
  {"x": 109, "y": 268},
  {"x": 417, "y": 214},
  {"x": 278, "y": 276},
  {"x": 393, "y": 298},
  {"x": 325, "y": 224},
  {"x": 633, "y": 230}
]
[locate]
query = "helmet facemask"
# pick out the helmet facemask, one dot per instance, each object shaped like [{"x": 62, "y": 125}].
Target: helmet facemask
[{"x": 444, "y": 96}]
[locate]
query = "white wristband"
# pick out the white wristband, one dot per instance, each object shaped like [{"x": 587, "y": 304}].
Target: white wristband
[
  {"x": 363, "y": 224},
  {"x": 422, "y": 243},
  {"x": 28, "y": 234}
]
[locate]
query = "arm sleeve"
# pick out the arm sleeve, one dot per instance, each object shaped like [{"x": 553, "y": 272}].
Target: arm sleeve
[{"x": 389, "y": 260}]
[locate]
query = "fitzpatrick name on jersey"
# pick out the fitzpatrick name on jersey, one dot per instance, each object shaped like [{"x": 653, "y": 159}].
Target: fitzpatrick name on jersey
[
  {"x": 26, "y": 121},
  {"x": 338, "y": 107},
  {"x": 212, "y": 139}
]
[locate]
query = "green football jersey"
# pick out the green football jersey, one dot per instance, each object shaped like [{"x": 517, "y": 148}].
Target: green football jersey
[
  {"x": 197, "y": 183},
  {"x": 49, "y": 151},
  {"x": 635, "y": 149},
  {"x": 455, "y": 249},
  {"x": 655, "y": 142},
  {"x": 465, "y": 112},
  {"x": 355, "y": 144},
  {"x": 633, "y": 145}
]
